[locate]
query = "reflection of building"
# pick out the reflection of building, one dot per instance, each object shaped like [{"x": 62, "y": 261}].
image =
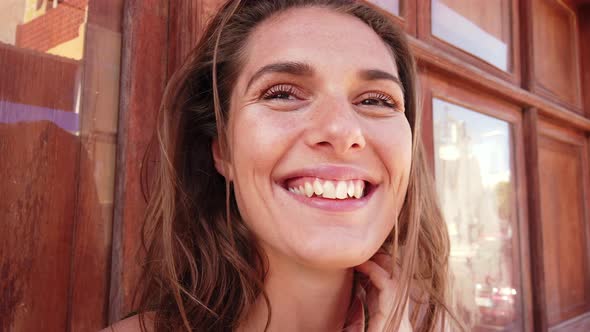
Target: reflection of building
[
  {"x": 11, "y": 14},
  {"x": 54, "y": 26},
  {"x": 470, "y": 169},
  {"x": 51, "y": 97},
  {"x": 48, "y": 26}
]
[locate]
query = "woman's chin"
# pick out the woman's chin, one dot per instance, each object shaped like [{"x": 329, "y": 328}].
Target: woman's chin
[{"x": 334, "y": 257}]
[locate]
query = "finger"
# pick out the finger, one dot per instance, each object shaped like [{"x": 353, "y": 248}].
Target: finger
[
  {"x": 378, "y": 276},
  {"x": 384, "y": 260}
]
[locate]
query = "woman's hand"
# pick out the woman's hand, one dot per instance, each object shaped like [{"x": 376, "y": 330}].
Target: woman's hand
[{"x": 381, "y": 293}]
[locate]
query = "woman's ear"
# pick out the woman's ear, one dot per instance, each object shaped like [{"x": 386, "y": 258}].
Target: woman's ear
[{"x": 221, "y": 165}]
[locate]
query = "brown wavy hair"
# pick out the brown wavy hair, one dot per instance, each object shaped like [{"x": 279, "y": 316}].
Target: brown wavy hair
[{"x": 203, "y": 269}]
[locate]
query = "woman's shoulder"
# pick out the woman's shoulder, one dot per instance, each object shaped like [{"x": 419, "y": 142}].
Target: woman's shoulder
[{"x": 133, "y": 324}]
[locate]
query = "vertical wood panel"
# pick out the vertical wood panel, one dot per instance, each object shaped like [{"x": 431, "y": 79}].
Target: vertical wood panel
[
  {"x": 536, "y": 231},
  {"x": 158, "y": 34},
  {"x": 563, "y": 177},
  {"x": 188, "y": 19},
  {"x": 184, "y": 27},
  {"x": 555, "y": 57},
  {"x": 584, "y": 19},
  {"x": 143, "y": 78}
]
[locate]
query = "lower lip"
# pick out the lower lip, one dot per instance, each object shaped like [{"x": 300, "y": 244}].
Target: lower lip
[{"x": 334, "y": 205}]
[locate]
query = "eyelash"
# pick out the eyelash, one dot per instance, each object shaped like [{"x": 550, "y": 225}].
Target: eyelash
[
  {"x": 277, "y": 90},
  {"x": 280, "y": 89},
  {"x": 385, "y": 99}
]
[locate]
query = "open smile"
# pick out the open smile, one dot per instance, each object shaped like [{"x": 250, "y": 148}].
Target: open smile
[
  {"x": 336, "y": 189},
  {"x": 332, "y": 195},
  {"x": 328, "y": 189}
]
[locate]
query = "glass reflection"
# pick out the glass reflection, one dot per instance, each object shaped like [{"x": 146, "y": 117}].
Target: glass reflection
[
  {"x": 389, "y": 5},
  {"x": 481, "y": 28},
  {"x": 475, "y": 188},
  {"x": 59, "y": 79},
  {"x": 41, "y": 47}
]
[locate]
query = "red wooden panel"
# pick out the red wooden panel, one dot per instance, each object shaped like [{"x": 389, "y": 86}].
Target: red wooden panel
[
  {"x": 584, "y": 12},
  {"x": 143, "y": 77},
  {"x": 39, "y": 179},
  {"x": 37, "y": 209},
  {"x": 565, "y": 256},
  {"x": 188, "y": 19},
  {"x": 556, "y": 68}
]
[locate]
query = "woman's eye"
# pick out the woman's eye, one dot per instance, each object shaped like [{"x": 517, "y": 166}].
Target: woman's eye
[
  {"x": 378, "y": 99},
  {"x": 282, "y": 92}
]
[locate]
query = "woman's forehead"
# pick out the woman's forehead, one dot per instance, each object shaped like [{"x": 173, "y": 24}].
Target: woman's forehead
[{"x": 320, "y": 37}]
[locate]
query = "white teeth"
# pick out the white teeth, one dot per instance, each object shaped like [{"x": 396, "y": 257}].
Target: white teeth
[
  {"x": 331, "y": 189},
  {"x": 350, "y": 191},
  {"x": 308, "y": 189},
  {"x": 341, "y": 190},
  {"x": 318, "y": 189},
  {"x": 358, "y": 188}
]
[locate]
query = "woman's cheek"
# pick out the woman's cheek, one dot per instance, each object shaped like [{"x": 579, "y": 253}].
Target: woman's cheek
[{"x": 395, "y": 148}]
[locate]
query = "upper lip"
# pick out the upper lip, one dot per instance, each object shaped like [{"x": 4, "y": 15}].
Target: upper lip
[{"x": 331, "y": 172}]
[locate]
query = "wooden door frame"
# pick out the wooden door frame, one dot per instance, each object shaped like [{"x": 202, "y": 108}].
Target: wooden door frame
[
  {"x": 157, "y": 35},
  {"x": 143, "y": 78}
]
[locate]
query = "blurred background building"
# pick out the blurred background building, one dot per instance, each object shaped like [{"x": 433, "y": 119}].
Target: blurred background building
[{"x": 506, "y": 110}]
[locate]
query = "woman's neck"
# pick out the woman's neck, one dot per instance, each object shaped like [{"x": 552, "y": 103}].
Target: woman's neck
[{"x": 302, "y": 299}]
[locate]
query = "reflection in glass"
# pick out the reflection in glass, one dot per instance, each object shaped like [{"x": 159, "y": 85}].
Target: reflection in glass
[
  {"x": 390, "y": 5},
  {"x": 481, "y": 28},
  {"x": 475, "y": 188},
  {"x": 59, "y": 79}
]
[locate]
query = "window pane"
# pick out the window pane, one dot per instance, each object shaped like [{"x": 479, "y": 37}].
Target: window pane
[
  {"x": 481, "y": 28},
  {"x": 390, "y": 5},
  {"x": 476, "y": 187},
  {"x": 59, "y": 97}
]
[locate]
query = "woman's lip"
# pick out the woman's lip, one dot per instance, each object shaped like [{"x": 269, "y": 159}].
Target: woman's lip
[
  {"x": 333, "y": 205},
  {"x": 331, "y": 172}
]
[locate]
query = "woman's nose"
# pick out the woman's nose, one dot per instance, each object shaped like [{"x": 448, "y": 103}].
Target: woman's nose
[{"x": 335, "y": 126}]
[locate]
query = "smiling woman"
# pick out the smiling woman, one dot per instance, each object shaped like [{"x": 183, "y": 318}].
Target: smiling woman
[{"x": 292, "y": 192}]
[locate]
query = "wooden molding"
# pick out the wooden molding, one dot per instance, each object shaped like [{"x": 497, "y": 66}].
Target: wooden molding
[
  {"x": 436, "y": 59},
  {"x": 584, "y": 33},
  {"x": 513, "y": 75},
  {"x": 535, "y": 227}
]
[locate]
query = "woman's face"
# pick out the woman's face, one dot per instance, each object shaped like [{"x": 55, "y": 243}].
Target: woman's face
[{"x": 320, "y": 145}]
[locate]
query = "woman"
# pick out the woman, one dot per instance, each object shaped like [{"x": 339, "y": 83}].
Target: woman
[{"x": 292, "y": 192}]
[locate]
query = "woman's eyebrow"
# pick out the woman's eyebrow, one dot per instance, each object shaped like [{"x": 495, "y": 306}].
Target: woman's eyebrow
[
  {"x": 293, "y": 68},
  {"x": 377, "y": 74},
  {"x": 305, "y": 69}
]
